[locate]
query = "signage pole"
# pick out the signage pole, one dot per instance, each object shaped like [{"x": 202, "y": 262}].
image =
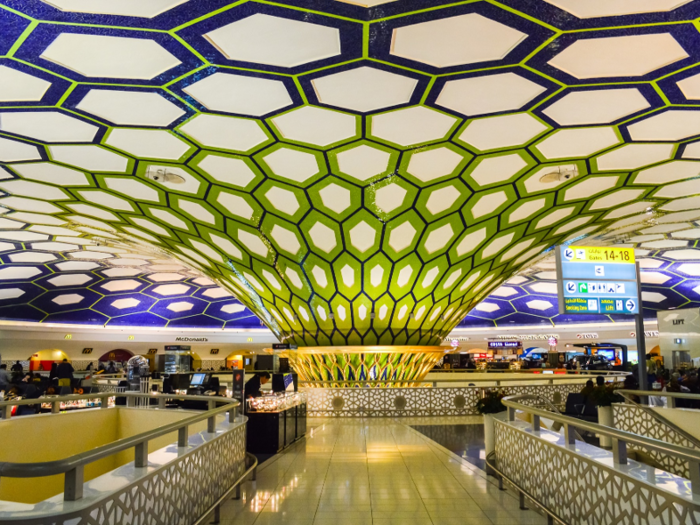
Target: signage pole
[{"x": 641, "y": 341}]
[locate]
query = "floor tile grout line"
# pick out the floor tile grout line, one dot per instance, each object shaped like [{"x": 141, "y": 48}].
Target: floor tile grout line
[{"x": 409, "y": 472}]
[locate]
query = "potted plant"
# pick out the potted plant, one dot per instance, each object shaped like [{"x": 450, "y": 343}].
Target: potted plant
[
  {"x": 487, "y": 406},
  {"x": 603, "y": 397}
]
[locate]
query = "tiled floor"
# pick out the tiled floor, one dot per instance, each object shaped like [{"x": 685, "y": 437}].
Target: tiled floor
[{"x": 378, "y": 472}]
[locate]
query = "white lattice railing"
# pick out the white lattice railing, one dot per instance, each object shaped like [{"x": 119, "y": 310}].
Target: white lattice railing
[{"x": 410, "y": 402}]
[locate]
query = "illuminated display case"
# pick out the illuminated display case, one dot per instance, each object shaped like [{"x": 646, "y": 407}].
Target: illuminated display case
[
  {"x": 275, "y": 421},
  {"x": 275, "y": 402}
]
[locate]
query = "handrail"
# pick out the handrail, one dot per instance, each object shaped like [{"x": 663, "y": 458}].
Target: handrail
[
  {"x": 559, "y": 371},
  {"x": 620, "y": 438},
  {"x": 551, "y": 405},
  {"x": 551, "y": 516},
  {"x": 73, "y": 466},
  {"x": 216, "y": 506},
  {"x": 657, "y": 415}
]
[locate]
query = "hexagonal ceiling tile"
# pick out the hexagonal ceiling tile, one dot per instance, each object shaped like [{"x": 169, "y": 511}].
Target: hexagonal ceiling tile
[
  {"x": 292, "y": 164},
  {"x": 130, "y": 108},
  {"x": 47, "y": 126},
  {"x": 316, "y": 126},
  {"x": 598, "y": 106},
  {"x": 463, "y": 39},
  {"x": 105, "y": 56},
  {"x": 275, "y": 41},
  {"x": 481, "y": 95},
  {"x": 601, "y": 8},
  {"x": 364, "y": 89},
  {"x": 17, "y": 86},
  {"x": 363, "y": 162},
  {"x": 619, "y": 56},
  {"x": 239, "y": 94},
  {"x": 135, "y": 8},
  {"x": 411, "y": 126}
]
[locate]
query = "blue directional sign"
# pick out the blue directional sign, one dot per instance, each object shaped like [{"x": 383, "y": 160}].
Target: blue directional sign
[{"x": 597, "y": 280}]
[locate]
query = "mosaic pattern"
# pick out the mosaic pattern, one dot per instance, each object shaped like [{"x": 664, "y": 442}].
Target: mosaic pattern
[
  {"x": 563, "y": 483},
  {"x": 638, "y": 421},
  {"x": 408, "y": 402},
  {"x": 353, "y": 174}
]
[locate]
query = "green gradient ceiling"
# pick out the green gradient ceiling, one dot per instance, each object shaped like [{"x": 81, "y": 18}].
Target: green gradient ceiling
[{"x": 352, "y": 175}]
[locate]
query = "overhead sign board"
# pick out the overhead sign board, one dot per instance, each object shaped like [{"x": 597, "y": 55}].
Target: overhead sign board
[
  {"x": 504, "y": 344},
  {"x": 597, "y": 280}
]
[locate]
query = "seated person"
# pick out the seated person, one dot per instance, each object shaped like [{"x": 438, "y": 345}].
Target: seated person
[{"x": 588, "y": 389}]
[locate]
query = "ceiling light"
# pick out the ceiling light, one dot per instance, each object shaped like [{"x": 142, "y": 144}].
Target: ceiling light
[
  {"x": 162, "y": 175},
  {"x": 560, "y": 174}
]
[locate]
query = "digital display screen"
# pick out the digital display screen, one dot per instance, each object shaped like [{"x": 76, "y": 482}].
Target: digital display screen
[
  {"x": 198, "y": 379},
  {"x": 607, "y": 352}
]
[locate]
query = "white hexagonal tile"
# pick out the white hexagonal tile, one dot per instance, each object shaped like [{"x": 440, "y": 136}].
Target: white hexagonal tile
[
  {"x": 335, "y": 197},
  {"x": 51, "y": 173},
  {"x": 504, "y": 291},
  {"x": 106, "y": 56},
  {"x": 539, "y": 304},
  {"x": 134, "y": 108},
  {"x": 66, "y": 299},
  {"x": 579, "y": 142},
  {"x": 690, "y": 87},
  {"x": 171, "y": 289},
  {"x": 232, "y": 308},
  {"x": 502, "y": 131},
  {"x": 482, "y": 95},
  {"x": 148, "y": 143},
  {"x": 665, "y": 244},
  {"x": 364, "y": 89},
  {"x": 603, "y": 8},
  {"x": 434, "y": 163},
  {"x": 490, "y": 170},
  {"x": 679, "y": 189},
  {"x": 654, "y": 277},
  {"x": 16, "y": 273},
  {"x": 348, "y": 275},
  {"x": 487, "y": 307},
  {"x": 134, "y": 8},
  {"x": 122, "y": 304},
  {"x": 292, "y": 164},
  {"x": 411, "y": 126},
  {"x": 89, "y": 157},
  {"x": 653, "y": 297},
  {"x": 589, "y": 187},
  {"x": 442, "y": 199},
  {"x": 471, "y": 241},
  {"x": 230, "y": 133},
  {"x": 439, "y": 238},
  {"x": 619, "y": 56},
  {"x": 54, "y": 246},
  {"x": 76, "y": 279},
  {"x": 105, "y": 199},
  {"x": 162, "y": 277},
  {"x": 555, "y": 216},
  {"x": 32, "y": 189},
  {"x": 319, "y": 275},
  {"x": 693, "y": 233},
  {"x": 253, "y": 243},
  {"x": 527, "y": 209},
  {"x": 31, "y": 205},
  {"x": 286, "y": 239},
  {"x": 389, "y": 197},
  {"x": 363, "y": 162},
  {"x": 375, "y": 275},
  {"x": 690, "y": 268},
  {"x": 236, "y": 205},
  {"x": 122, "y": 272},
  {"x": 132, "y": 188},
  {"x": 669, "y": 172},
  {"x": 317, "y": 126},
  {"x": 121, "y": 286},
  {"x": 180, "y": 306},
  {"x": 31, "y": 257},
  {"x": 404, "y": 275},
  {"x": 597, "y": 106},
  {"x": 240, "y": 94},
  {"x": 691, "y": 151},
  {"x": 402, "y": 236},
  {"x": 17, "y": 86},
  {"x": 227, "y": 169},
  {"x": 275, "y": 41},
  {"x": 462, "y": 39},
  {"x": 10, "y": 293},
  {"x": 615, "y": 199},
  {"x": 16, "y": 151},
  {"x": 283, "y": 200},
  {"x": 47, "y": 126},
  {"x": 671, "y": 124},
  {"x": 362, "y": 236},
  {"x": 323, "y": 237},
  {"x": 634, "y": 156},
  {"x": 688, "y": 203},
  {"x": 488, "y": 203}
]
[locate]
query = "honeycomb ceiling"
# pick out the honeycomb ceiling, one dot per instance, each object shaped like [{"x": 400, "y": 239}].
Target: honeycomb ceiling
[{"x": 349, "y": 172}]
